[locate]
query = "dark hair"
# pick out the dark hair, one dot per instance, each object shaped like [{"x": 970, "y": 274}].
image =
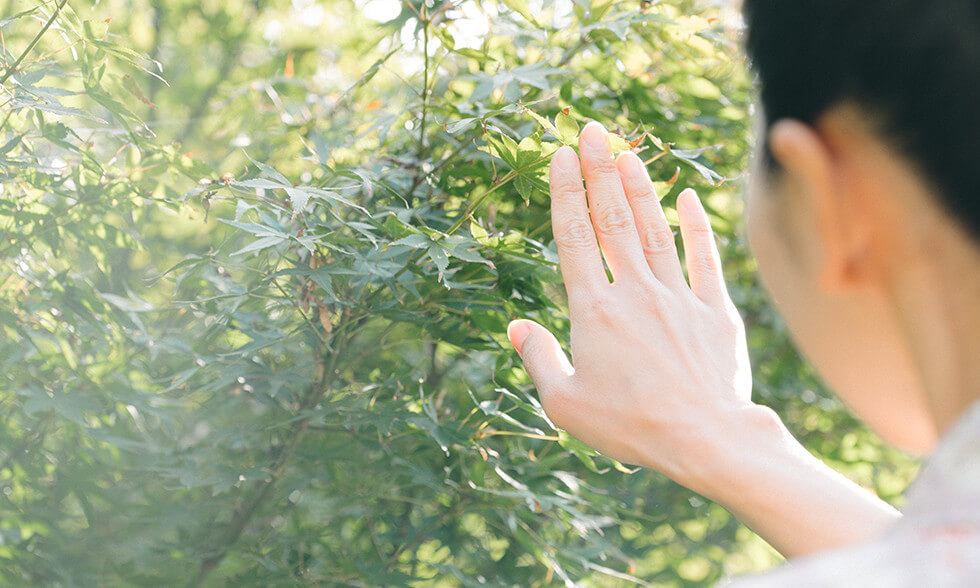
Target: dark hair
[{"x": 913, "y": 66}]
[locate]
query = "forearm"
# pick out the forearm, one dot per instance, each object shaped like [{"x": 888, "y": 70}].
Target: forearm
[{"x": 763, "y": 476}]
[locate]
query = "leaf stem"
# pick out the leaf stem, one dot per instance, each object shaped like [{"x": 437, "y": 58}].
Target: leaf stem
[
  {"x": 13, "y": 68},
  {"x": 425, "y": 80}
]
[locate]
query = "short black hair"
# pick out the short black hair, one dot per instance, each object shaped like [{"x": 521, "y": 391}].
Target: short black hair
[{"x": 913, "y": 66}]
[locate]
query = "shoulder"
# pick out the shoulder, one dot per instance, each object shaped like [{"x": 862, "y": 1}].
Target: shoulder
[
  {"x": 940, "y": 555},
  {"x": 937, "y": 542}
]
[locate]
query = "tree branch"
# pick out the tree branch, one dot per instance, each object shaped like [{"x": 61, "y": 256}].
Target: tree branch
[
  {"x": 261, "y": 490},
  {"x": 13, "y": 68}
]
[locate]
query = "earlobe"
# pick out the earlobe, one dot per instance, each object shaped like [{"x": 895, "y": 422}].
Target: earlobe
[{"x": 809, "y": 163}]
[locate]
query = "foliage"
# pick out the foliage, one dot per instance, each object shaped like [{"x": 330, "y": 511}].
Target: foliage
[{"x": 257, "y": 263}]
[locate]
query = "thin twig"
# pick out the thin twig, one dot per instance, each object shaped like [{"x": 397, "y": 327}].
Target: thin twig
[
  {"x": 412, "y": 258},
  {"x": 425, "y": 82},
  {"x": 300, "y": 311},
  {"x": 37, "y": 435},
  {"x": 3, "y": 50},
  {"x": 244, "y": 512},
  {"x": 10, "y": 70}
]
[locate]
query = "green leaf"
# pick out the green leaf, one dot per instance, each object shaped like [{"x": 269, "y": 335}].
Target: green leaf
[
  {"x": 270, "y": 172},
  {"x": 460, "y": 125},
  {"x": 323, "y": 278},
  {"x": 521, "y": 8},
  {"x": 617, "y": 143},
  {"x": 261, "y": 183},
  {"x": 299, "y": 197},
  {"x": 524, "y": 187},
  {"x": 474, "y": 54},
  {"x": 190, "y": 260},
  {"x": 567, "y": 129},
  {"x": 439, "y": 256},
  {"x": 7, "y": 20},
  {"x": 543, "y": 122},
  {"x": 528, "y": 151},
  {"x": 689, "y": 156},
  {"x": 9, "y": 145},
  {"x": 259, "y": 244},
  {"x": 415, "y": 241},
  {"x": 332, "y": 196},
  {"x": 180, "y": 419},
  {"x": 478, "y": 232},
  {"x": 396, "y": 227},
  {"x": 242, "y": 207},
  {"x": 448, "y": 41},
  {"x": 462, "y": 248},
  {"x": 131, "y": 304},
  {"x": 582, "y": 452},
  {"x": 256, "y": 229},
  {"x": 505, "y": 148}
]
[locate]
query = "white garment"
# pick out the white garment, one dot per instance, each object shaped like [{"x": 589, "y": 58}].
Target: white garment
[{"x": 935, "y": 544}]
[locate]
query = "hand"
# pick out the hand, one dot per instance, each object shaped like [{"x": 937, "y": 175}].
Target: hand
[{"x": 661, "y": 374}]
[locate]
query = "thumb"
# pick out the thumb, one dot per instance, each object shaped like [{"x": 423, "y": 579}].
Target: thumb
[{"x": 544, "y": 359}]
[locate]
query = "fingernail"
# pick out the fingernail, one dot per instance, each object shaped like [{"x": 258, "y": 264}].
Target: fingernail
[
  {"x": 695, "y": 201},
  {"x": 635, "y": 163},
  {"x": 594, "y": 135},
  {"x": 517, "y": 332},
  {"x": 564, "y": 158}
]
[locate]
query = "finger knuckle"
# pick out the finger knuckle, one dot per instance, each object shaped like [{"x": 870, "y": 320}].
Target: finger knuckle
[
  {"x": 604, "y": 311},
  {"x": 641, "y": 194},
  {"x": 601, "y": 166},
  {"x": 575, "y": 236},
  {"x": 703, "y": 262},
  {"x": 701, "y": 232},
  {"x": 614, "y": 219},
  {"x": 566, "y": 185},
  {"x": 657, "y": 239},
  {"x": 649, "y": 292}
]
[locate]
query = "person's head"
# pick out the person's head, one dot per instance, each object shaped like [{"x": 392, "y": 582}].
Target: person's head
[{"x": 863, "y": 209}]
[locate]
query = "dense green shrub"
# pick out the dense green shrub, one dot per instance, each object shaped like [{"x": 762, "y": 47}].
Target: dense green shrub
[{"x": 256, "y": 263}]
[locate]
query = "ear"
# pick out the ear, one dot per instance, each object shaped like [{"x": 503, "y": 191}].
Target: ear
[{"x": 809, "y": 162}]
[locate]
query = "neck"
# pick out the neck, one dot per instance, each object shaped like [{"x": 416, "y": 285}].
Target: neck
[{"x": 936, "y": 294}]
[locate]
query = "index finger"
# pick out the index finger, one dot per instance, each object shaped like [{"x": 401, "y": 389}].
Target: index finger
[{"x": 578, "y": 250}]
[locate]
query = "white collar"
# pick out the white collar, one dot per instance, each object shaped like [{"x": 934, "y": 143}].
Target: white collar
[{"x": 949, "y": 485}]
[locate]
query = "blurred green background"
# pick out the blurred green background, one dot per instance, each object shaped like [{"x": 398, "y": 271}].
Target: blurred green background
[{"x": 257, "y": 259}]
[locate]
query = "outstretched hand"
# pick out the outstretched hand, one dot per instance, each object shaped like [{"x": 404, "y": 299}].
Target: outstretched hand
[
  {"x": 661, "y": 374},
  {"x": 661, "y": 369}
]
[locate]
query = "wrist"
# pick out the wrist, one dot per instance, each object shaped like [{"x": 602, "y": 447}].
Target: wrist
[{"x": 728, "y": 454}]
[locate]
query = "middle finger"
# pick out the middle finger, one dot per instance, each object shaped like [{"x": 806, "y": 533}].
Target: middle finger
[{"x": 610, "y": 211}]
